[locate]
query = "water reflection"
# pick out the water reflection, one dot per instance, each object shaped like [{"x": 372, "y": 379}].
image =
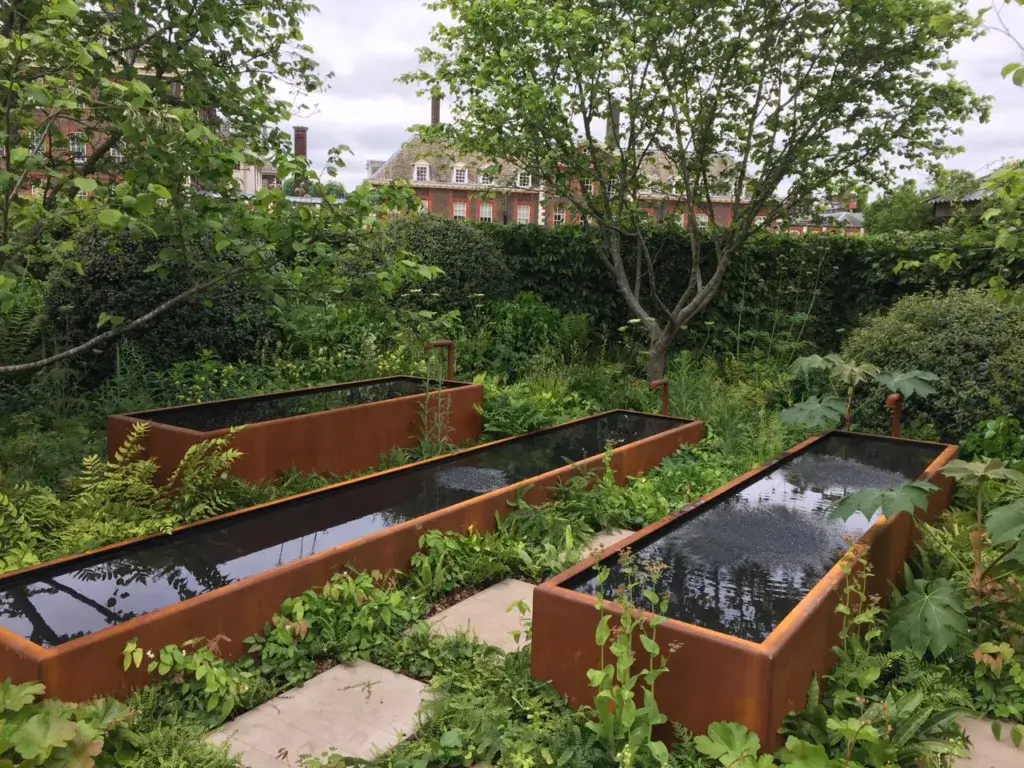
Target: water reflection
[
  {"x": 57, "y": 604},
  {"x": 746, "y": 560},
  {"x": 207, "y": 417}
]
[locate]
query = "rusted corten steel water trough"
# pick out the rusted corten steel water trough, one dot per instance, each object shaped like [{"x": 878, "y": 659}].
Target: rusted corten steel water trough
[
  {"x": 66, "y": 622},
  {"x": 754, "y": 578},
  {"x": 336, "y": 429}
]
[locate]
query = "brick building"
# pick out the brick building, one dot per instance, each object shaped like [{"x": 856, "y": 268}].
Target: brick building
[{"x": 464, "y": 187}]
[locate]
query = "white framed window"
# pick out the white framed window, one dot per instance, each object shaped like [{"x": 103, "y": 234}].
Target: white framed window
[
  {"x": 461, "y": 175},
  {"x": 38, "y": 139},
  {"x": 421, "y": 172},
  {"x": 116, "y": 152},
  {"x": 424, "y": 206},
  {"x": 594, "y": 187},
  {"x": 524, "y": 179},
  {"x": 459, "y": 211},
  {"x": 759, "y": 220},
  {"x": 485, "y": 178},
  {"x": 703, "y": 219},
  {"x": 486, "y": 211},
  {"x": 558, "y": 217},
  {"x": 522, "y": 214},
  {"x": 76, "y": 147}
]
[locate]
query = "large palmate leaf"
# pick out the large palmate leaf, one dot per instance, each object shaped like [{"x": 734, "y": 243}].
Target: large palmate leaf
[
  {"x": 904, "y": 498},
  {"x": 732, "y": 745},
  {"x": 851, "y": 374},
  {"x": 928, "y": 617},
  {"x": 805, "y": 365},
  {"x": 972, "y": 473},
  {"x": 1005, "y": 525},
  {"x": 824, "y": 411},
  {"x": 909, "y": 383}
]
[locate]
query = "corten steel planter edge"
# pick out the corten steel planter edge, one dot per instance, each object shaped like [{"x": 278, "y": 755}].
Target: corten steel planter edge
[
  {"x": 330, "y": 489},
  {"x": 720, "y": 701},
  {"x": 249, "y": 603},
  {"x": 801, "y": 645},
  {"x": 141, "y": 415},
  {"x": 268, "y": 451}
]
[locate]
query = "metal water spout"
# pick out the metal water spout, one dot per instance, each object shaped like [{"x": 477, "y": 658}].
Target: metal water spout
[
  {"x": 894, "y": 403},
  {"x": 450, "y": 348},
  {"x": 663, "y": 385}
]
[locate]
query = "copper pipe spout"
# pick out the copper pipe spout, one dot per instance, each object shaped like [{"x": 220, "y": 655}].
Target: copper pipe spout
[{"x": 663, "y": 385}]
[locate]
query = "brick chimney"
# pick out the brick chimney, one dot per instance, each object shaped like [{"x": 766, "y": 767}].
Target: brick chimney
[
  {"x": 299, "y": 139},
  {"x": 435, "y": 110}
]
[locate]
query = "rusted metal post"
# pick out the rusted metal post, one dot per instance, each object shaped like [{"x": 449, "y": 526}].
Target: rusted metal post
[
  {"x": 450, "y": 347},
  {"x": 894, "y": 403},
  {"x": 663, "y": 384}
]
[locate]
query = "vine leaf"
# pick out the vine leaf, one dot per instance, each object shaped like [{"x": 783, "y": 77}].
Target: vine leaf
[
  {"x": 1005, "y": 525},
  {"x": 908, "y": 497},
  {"x": 909, "y": 383},
  {"x": 929, "y": 616},
  {"x": 816, "y": 411}
]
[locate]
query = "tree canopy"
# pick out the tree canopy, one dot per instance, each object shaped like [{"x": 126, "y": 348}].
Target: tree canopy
[{"x": 755, "y": 107}]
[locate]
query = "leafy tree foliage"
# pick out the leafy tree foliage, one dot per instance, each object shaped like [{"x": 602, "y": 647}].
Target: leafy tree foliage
[
  {"x": 903, "y": 209},
  {"x": 169, "y": 96},
  {"x": 729, "y": 100}
]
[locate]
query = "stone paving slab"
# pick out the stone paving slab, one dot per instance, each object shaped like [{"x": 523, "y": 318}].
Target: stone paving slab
[
  {"x": 986, "y": 752},
  {"x": 605, "y": 540},
  {"x": 359, "y": 709},
  {"x": 485, "y": 615}
]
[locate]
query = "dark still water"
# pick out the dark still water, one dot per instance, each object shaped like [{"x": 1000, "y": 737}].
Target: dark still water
[
  {"x": 222, "y": 414},
  {"x": 53, "y": 605},
  {"x": 741, "y": 563}
]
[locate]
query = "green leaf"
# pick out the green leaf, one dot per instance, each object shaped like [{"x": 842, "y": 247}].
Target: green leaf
[
  {"x": 729, "y": 743},
  {"x": 84, "y": 184},
  {"x": 910, "y": 383},
  {"x": 930, "y": 617},
  {"x": 452, "y": 739},
  {"x": 816, "y": 412},
  {"x": 109, "y": 217},
  {"x": 801, "y": 754},
  {"x": 18, "y": 155},
  {"x": 1005, "y": 525},
  {"x": 603, "y": 631},
  {"x": 13, "y": 698}
]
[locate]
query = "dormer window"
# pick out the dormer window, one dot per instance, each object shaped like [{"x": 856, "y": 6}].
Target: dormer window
[
  {"x": 524, "y": 180},
  {"x": 485, "y": 178},
  {"x": 461, "y": 175},
  {"x": 421, "y": 172}
]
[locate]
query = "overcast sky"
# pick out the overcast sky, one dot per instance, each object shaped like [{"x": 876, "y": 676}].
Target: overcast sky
[{"x": 368, "y": 44}]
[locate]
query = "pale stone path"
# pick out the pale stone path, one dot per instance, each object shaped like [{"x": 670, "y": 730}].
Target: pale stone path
[
  {"x": 986, "y": 752},
  {"x": 486, "y": 615},
  {"x": 359, "y": 709}
]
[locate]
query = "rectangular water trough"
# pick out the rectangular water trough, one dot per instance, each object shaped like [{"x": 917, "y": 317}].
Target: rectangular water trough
[
  {"x": 336, "y": 429},
  {"x": 753, "y": 576},
  {"x": 66, "y": 622}
]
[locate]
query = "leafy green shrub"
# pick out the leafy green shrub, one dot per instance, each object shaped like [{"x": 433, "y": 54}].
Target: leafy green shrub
[
  {"x": 525, "y": 407},
  {"x": 971, "y": 341},
  {"x": 510, "y": 337},
  {"x": 115, "y": 282},
  {"x": 51, "y": 734},
  {"x": 473, "y": 267}
]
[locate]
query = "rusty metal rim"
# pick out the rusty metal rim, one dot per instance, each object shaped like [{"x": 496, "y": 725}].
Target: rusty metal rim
[
  {"x": 799, "y": 613},
  {"x": 417, "y": 523},
  {"x": 141, "y": 415}
]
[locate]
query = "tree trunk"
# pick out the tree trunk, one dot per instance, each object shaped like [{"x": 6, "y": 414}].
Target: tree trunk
[{"x": 657, "y": 354}]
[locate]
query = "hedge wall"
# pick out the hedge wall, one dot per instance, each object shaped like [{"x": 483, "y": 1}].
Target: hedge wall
[{"x": 814, "y": 286}]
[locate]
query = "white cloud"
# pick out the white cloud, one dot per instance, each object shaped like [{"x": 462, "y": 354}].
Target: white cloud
[{"x": 368, "y": 44}]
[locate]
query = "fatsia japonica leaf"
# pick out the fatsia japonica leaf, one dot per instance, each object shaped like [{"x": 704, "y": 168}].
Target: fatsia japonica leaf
[
  {"x": 1005, "y": 525},
  {"x": 971, "y": 473},
  {"x": 910, "y": 383},
  {"x": 904, "y": 498},
  {"x": 851, "y": 374},
  {"x": 805, "y": 365},
  {"x": 816, "y": 412},
  {"x": 929, "y": 617}
]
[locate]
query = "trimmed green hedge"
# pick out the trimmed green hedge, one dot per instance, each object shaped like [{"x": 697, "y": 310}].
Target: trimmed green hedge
[
  {"x": 233, "y": 324},
  {"x": 781, "y": 288},
  {"x": 971, "y": 341}
]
